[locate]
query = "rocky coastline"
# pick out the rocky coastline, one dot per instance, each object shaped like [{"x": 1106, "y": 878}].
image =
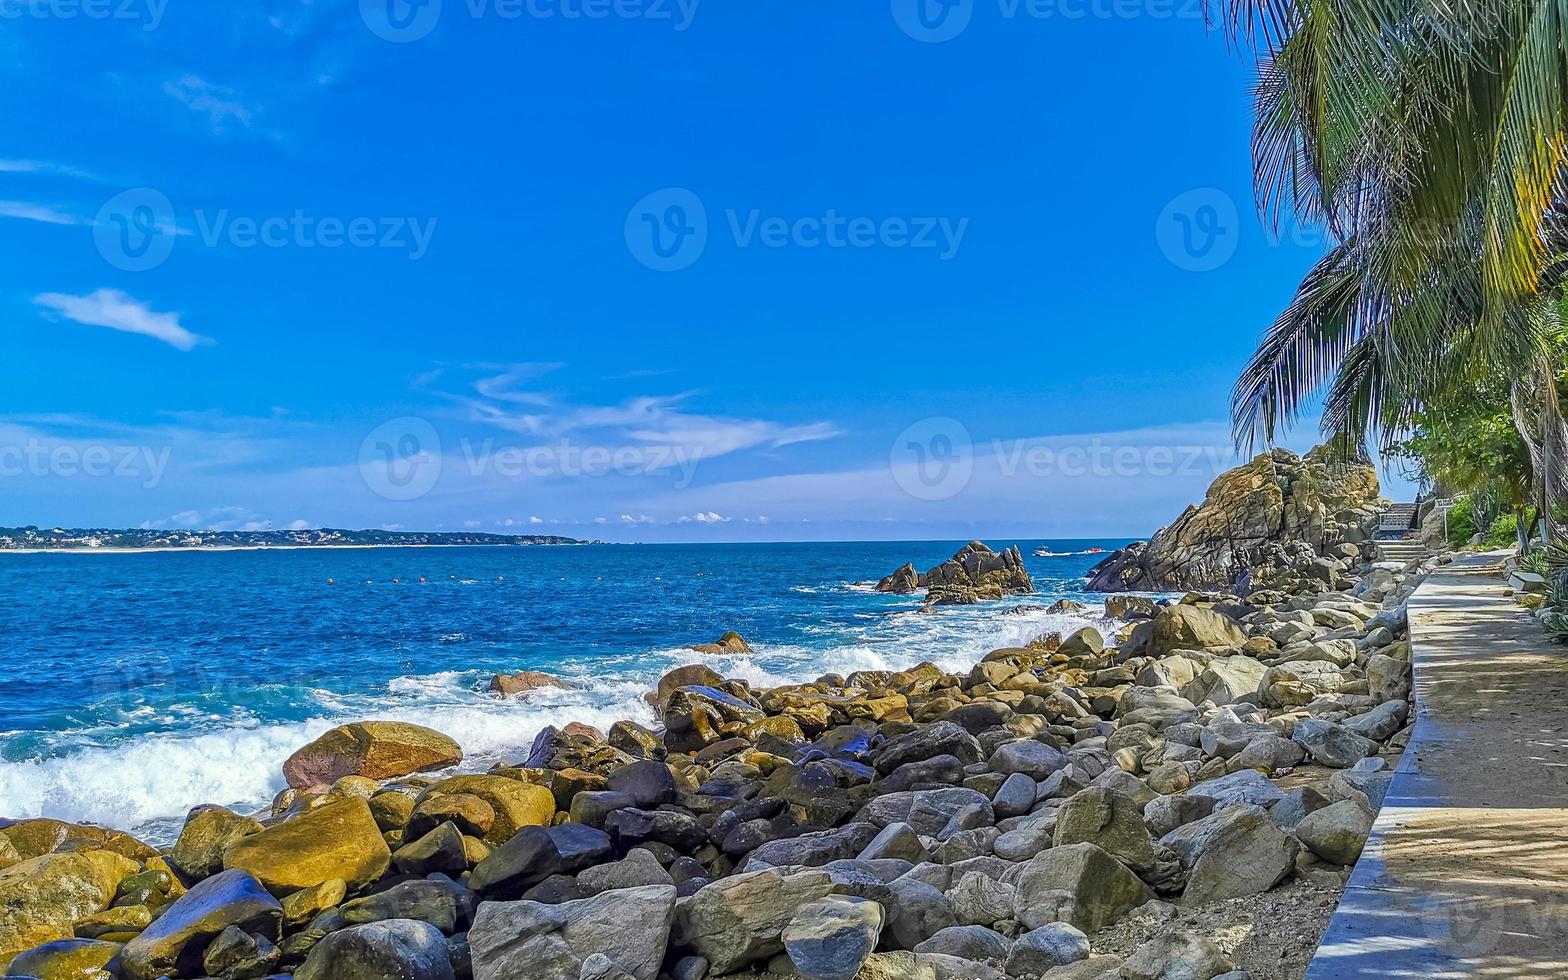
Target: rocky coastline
[{"x": 1096, "y": 805}]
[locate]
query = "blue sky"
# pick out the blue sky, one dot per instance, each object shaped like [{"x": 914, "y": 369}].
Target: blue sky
[{"x": 627, "y": 269}]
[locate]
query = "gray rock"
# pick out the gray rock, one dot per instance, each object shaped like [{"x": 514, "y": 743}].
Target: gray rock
[
  {"x": 973, "y": 942},
  {"x": 945, "y": 967},
  {"x": 237, "y": 953},
  {"x": 551, "y": 942},
  {"x": 1046, "y": 948},
  {"x": 1366, "y": 788},
  {"x": 1381, "y": 722},
  {"x": 979, "y": 900},
  {"x": 1336, "y": 833},
  {"x": 648, "y": 782},
  {"x": 1036, "y": 833},
  {"x": 1165, "y": 814},
  {"x": 1176, "y": 956},
  {"x": 896, "y": 840},
  {"x": 1331, "y": 745},
  {"x": 397, "y": 949},
  {"x": 426, "y": 901},
  {"x": 534, "y": 854},
  {"x": 1225, "y": 680},
  {"x": 1246, "y": 786},
  {"x": 1034, "y": 759},
  {"x": 1110, "y": 820},
  {"x": 1079, "y": 884},
  {"x": 1015, "y": 797},
  {"x": 230, "y": 898},
  {"x": 927, "y": 811},
  {"x": 941, "y": 738},
  {"x": 638, "y": 869},
  {"x": 740, "y": 919},
  {"x": 1290, "y": 811},
  {"x": 830, "y": 938},
  {"x": 1235, "y": 852},
  {"x": 1226, "y": 738},
  {"x": 916, "y": 912},
  {"x": 1388, "y": 678},
  {"x": 1270, "y": 752}
]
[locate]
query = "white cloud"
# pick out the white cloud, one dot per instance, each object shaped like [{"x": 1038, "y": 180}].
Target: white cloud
[
  {"x": 118, "y": 311},
  {"x": 220, "y": 103},
  {"x": 536, "y": 520},
  {"x": 44, "y": 167},
  {"x": 299, "y": 525},
  {"x": 25, "y": 211},
  {"x": 472, "y": 523},
  {"x": 704, "y": 517},
  {"x": 636, "y": 519}
]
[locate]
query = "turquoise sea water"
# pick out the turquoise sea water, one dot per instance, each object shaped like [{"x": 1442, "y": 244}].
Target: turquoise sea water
[{"x": 135, "y": 686}]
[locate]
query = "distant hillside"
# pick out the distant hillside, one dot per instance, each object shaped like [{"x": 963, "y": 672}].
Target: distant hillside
[{"x": 84, "y": 539}]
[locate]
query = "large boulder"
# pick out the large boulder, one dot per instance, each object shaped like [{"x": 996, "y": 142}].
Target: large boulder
[
  {"x": 1238, "y": 851},
  {"x": 175, "y": 942},
  {"x": 1078, "y": 884},
  {"x": 926, "y": 810},
  {"x": 1225, "y": 680},
  {"x": 741, "y": 919},
  {"x": 903, "y": 581},
  {"x": 977, "y": 573},
  {"x": 338, "y": 840},
  {"x": 397, "y": 949},
  {"x": 1336, "y": 833},
  {"x": 1249, "y": 516},
  {"x": 1110, "y": 820},
  {"x": 207, "y": 832},
  {"x": 631, "y": 926},
  {"x": 522, "y": 682},
  {"x": 65, "y": 959},
  {"x": 42, "y": 897},
  {"x": 376, "y": 749},
  {"x": 535, "y": 854},
  {"x": 1185, "y": 627}
]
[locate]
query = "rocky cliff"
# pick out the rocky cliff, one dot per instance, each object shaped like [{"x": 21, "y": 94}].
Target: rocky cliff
[
  {"x": 974, "y": 574},
  {"x": 1279, "y": 513}
]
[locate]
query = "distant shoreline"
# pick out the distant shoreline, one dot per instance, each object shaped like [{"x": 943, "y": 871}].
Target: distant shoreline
[{"x": 170, "y": 549}]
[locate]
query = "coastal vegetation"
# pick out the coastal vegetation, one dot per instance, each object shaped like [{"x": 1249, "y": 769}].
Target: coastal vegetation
[
  {"x": 1428, "y": 140},
  {"x": 33, "y": 538}
]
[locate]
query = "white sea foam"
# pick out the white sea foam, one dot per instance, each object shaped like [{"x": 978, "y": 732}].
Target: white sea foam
[{"x": 149, "y": 782}]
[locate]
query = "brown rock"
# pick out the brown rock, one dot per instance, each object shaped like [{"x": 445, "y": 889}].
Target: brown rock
[
  {"x": 377, "y": 749},
  {"x": 338, "y": 840}
]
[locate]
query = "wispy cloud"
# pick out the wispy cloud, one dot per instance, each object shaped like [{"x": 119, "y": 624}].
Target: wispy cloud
[
  {"x": 47, "y": 168},
  {"x": 220, "y": 103},
  {"x": 27, "y": 211},
  {"x": 118, "y": 311},
  {"x": 503, "y": 398}
]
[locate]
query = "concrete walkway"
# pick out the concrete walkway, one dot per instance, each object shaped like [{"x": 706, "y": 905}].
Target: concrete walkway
[{"x": 1466, "y": 872}]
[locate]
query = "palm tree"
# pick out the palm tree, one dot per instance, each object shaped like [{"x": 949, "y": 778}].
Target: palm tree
[{"x": 1429, "y": 138}]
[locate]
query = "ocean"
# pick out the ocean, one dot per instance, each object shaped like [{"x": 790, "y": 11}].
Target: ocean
[{"x": 135, "y": 686}]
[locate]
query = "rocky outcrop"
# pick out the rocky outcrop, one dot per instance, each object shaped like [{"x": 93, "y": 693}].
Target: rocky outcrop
[
  {"x": 522, "y": 682},
  {"x": 730, "y": 644},
  {"x": 974, "y": 574},
  {"x": 1277, "y": 515}
]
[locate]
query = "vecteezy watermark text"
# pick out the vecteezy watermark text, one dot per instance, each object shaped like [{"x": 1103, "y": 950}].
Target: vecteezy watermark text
[
  {"x": 406, "y": 21},
  {"x": 403, "y": 459},
  {"x": 669, "y": 230},
  {"x": 147, "y": 13},
  {"x": 36, "y": 458},
  {"x": 935, "y": 21}
]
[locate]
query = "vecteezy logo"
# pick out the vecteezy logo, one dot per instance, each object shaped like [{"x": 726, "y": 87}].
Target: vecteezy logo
[
  {"x": 933, "y": 459},
  {"x": 400, "y": 21},
  {"x": 1199, "y": 230},
  {"x": 135, "y": 230},
  {"x": 667, "y": 230},
  {"x": 401, "y": 459},
  {"x": 933, "y": 21}
]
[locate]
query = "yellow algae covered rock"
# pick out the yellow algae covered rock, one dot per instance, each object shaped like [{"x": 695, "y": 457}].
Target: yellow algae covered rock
[
  {"x": 516, "y": 804},
  {"x": 376, "y": 749},
  {"x": 338, "y": 840},
  {"x": 42, "y": 897}
]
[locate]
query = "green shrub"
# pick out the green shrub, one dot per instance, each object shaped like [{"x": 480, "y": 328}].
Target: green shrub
[{"x": 1503, "y": 533}]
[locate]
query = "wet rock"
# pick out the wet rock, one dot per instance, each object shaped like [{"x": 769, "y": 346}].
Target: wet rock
[
  {"x": 440, "y": 850},
  {"x": 65, "y": 959},
  {"x": 943, "y": 738},
  {"x": 174, "y": 944},
  {"x": 522, "y": 682},
  {"x": 398, "y": 949},
  {"x": 239, "y": 955},
  {"x": 207, "y": 831},
  {"x": 377, "y": 749},
  {"x": 575, "y": 747},
  {"x": 730, "y": 644},
  {"x": 976, "y": 573},
  {"x": 649, "y": 783},
  {"x": 425, "y": 900},
  {"x": 42, "y": 897},
  {"x": 338, "y": 840},
  {"x": 830, "y": 938},
  {"x": 516, "y": 804},
  {"x": 471, "y": 814},
  {"x": 903, "y": 581},
  {"x": 535, "y": 854}
]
